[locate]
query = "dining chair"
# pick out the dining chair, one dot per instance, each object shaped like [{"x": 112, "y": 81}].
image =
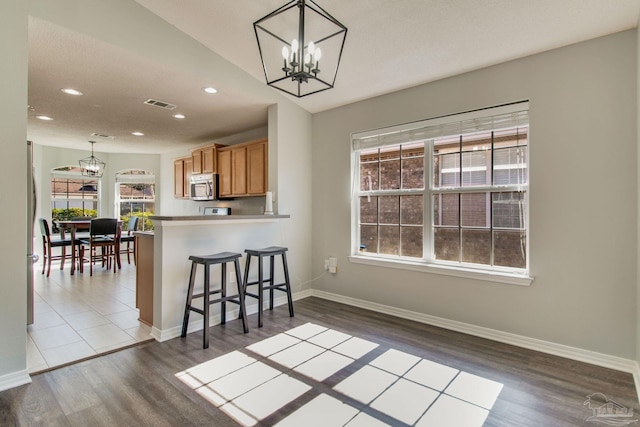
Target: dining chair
[
  {"x": 49, "y": 243},
  {"x": 129, "y": 239},
  {"x": 103, "y": 234}
]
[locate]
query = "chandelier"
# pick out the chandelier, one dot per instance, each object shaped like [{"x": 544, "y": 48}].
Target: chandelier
[
  {"x": 292, "y": 40},
  {"x": 92, "y": 166}
]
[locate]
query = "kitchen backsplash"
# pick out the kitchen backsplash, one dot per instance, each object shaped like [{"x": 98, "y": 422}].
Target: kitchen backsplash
[{"x": 239, "y": 206}]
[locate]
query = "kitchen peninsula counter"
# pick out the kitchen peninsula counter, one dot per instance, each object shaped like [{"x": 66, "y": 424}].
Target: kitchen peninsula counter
[{"x": 177, "y": 237}]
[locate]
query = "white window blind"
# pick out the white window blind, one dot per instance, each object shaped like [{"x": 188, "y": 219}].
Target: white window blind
[{"x": 486, "y": 119}]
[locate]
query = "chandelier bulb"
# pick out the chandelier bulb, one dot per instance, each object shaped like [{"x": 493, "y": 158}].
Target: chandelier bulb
[
  {"x": 317, "y": 55},
  {"x": 311, "y": 48},
  {"x": 294, "y": 45},
  {"x": 285, "y": 52}
]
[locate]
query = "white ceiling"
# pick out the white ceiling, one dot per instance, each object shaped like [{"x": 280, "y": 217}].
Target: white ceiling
[{"x": 390, "y": 45}]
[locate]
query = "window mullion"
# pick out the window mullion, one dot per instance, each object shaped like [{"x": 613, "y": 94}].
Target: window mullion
[
  {"x": 490, "y": 201},
  {"x": 378, "y": 204},
  {"x": 428, "y": 233},
  {"x": 460, "y": 184}
]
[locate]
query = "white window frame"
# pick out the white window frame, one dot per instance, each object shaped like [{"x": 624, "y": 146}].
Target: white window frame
[
  {"x": 427, "y": 130},
  {"x": 76, "y": 175},
  {"x": 122, "y": 177}
]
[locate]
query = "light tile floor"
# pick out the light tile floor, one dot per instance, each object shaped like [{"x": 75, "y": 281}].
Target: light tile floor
[
  {"x": 80, "y": 316},
  {"x": 399, "y": 386}
]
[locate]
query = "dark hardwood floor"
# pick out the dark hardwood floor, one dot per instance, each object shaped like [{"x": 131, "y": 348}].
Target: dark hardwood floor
[{"x": 138, "y": 385}]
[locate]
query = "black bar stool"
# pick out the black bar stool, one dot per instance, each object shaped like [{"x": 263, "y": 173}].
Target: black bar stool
[
  {"x": 207, "y": 260},
  {"x": 271, "y": 252}
]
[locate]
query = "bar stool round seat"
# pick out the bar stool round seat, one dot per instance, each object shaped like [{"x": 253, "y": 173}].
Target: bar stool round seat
[
  {"x": 268, "y": 283},
  {"x": 207, "y": 261}
]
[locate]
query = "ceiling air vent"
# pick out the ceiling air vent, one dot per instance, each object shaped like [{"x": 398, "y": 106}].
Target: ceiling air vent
[
  {"x": 102, "y": 135},
  {"x": 160, "y": 104}
]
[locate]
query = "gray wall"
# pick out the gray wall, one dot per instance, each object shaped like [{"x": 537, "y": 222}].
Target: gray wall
[
  {"x": 583, "y": 196},
  {"x": 637, "y": 332},
  {"x": 13, "y": 198}
]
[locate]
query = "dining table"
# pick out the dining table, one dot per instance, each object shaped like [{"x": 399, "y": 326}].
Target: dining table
[{"x": 81, "y": 225}]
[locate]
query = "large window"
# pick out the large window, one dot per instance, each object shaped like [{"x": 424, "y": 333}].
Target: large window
[
  {"x": 449, "y": 191},
  {"x": 72, "y": 194},
  {"x": 135, "y": 196}
]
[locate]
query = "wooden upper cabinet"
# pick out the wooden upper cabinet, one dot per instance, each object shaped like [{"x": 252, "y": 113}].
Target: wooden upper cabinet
[
  {"x": 257, "y": 168},
  {"x": 188, "y": 171},
  {"x": 204, "y": 160},
  {"x": 196, "y": 158},
  {"x": 178, "y": 178},
  {"x": 224, "y": 172},
  {"x": 209, "y": 160},
  {"x": 239, "y": 171},
  {"x": 243, "y": 169},
  {"x": 182, "y": 170}
]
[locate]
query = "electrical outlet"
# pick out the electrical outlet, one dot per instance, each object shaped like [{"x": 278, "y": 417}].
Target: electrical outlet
[
  {"x": 333, "y": 264},
  {"x": 232, "y": 278}
]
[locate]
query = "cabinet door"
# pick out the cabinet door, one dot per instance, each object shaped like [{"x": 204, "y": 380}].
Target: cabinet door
[
  {"x": 178, "y": 178},
  {"x": 239, "y": 171},
  {"x": 209, "y": 160},
  {"x": 188, "y": 171},
  {"x": 224, "y": 172},
  {"x": 144, "y": 277},
  {"x": 196, "y": 157},
  {"x": 257, "y": 168}
]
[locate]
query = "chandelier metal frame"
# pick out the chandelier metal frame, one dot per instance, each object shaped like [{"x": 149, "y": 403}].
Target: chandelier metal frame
[
  {"x": 317, "y": 35},
  {"x": 92, "y": 166}
]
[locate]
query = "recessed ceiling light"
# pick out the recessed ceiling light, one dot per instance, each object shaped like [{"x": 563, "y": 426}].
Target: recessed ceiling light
[
  {"x": 209, "y": 89},
  {"x": 179, "y": 116},
  {"x": 137, "y": 133},
  {"x": 70, "y": 91},
  {"x": 45, "y": 118}
]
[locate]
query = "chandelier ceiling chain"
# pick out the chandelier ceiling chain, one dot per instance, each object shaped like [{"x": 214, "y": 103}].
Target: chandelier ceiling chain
[
  {"x": 92, "y": 166},
  {"x": 317, "y": 35}
]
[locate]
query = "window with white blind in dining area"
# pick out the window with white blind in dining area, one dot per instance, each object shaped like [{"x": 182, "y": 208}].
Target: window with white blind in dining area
[{"x": 448, "y": 191}]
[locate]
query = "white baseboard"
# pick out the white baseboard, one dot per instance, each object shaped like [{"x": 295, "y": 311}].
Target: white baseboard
[
  {"x": 587, "y": 356},
  {"x": 636, "y": 379},
  {"x": 14, "y": 379}
]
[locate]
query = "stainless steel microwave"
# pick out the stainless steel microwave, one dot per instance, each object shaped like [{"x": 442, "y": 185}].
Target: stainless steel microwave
[{"x": 203, "y": 186}]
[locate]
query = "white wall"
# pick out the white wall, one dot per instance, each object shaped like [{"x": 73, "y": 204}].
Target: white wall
[
  {"x": 13, "y": 196},
  {"x": 583, "y": 195},
  {"x": 291, "y": 163}
]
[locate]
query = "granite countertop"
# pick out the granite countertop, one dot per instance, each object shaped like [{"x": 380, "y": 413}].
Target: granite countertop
[{"x": 215, "y": 217}]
